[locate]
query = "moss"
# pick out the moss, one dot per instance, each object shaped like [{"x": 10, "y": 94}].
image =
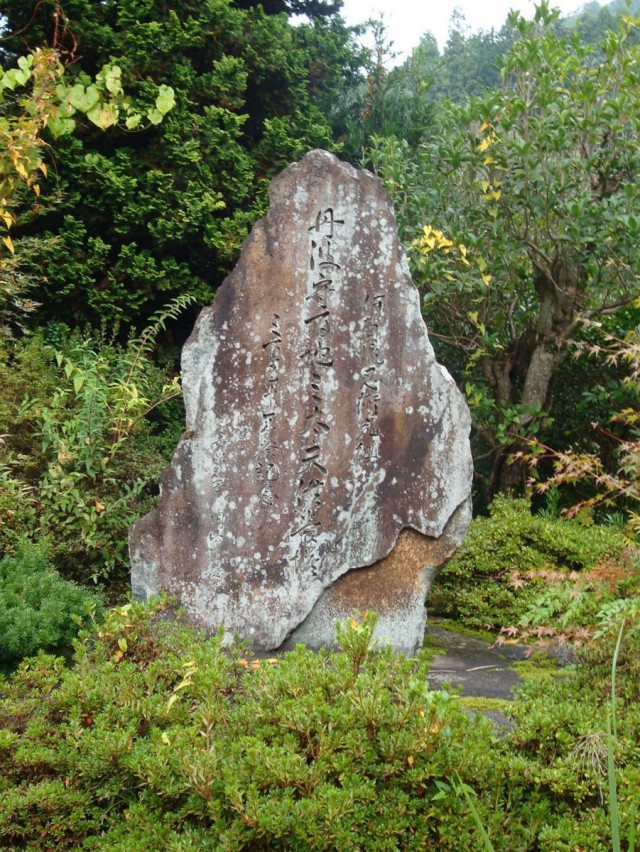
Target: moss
[
  {"x": 541, "y": 669},
  {"x": 486, "y": 705},
  {"x": 431, "y": 648},
  {"x": 457, "y": 627}
]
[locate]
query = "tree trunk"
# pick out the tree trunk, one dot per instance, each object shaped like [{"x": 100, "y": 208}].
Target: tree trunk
[{"x": 525, "y": 374}]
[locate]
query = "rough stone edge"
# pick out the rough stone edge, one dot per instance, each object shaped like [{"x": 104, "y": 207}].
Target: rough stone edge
[{"x": 405, "y": 637}]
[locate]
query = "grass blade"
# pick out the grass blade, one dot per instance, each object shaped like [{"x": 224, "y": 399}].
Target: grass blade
[
  {"x": 613, "y": 791},
  {"x": 614, "y": 666},
  {"x": 476, "y": 817}
]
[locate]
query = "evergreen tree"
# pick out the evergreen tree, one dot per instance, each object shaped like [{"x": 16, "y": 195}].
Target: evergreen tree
[{"x": 141, "y": 216}]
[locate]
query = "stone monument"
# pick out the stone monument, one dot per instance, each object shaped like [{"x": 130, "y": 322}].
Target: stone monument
[{"x": 326, "y": 462}]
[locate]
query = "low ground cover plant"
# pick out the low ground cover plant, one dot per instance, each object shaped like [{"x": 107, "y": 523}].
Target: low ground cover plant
[{"x": 157, "y": 738}]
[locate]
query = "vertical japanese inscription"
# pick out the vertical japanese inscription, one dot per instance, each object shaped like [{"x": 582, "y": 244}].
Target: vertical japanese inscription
[
  {"x": 265, "y": 465},
  {"x": 368, "y": 404},
  {"x": 318, "y": 358}
]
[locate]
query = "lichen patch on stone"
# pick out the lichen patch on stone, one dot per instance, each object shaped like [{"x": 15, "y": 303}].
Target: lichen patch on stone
[{"x": 319, "y": 426}]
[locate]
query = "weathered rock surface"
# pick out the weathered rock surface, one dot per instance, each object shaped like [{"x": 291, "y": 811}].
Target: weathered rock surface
[{"x": 319, "y": 428}]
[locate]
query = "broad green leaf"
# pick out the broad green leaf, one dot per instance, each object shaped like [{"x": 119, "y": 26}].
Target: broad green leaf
[
  {"x": 154, "y": 116},
  {"x": 103, "y": 115},
  {"x": 14, "y": 77},
  {"x": 166, "y": 99},
  {"x": 112, "y": 75},
  {"x": 59, "y": 126},
  {"x": 133, "y": 121},
  {"x": 84, "y": 99},
  {"x": 25, "y": 62}
]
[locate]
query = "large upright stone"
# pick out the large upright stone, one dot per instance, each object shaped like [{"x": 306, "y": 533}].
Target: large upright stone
[{"x": 319, "y": 428}]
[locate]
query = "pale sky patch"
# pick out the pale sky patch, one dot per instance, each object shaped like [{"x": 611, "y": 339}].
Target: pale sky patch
[{"x": 408, "y": 20}]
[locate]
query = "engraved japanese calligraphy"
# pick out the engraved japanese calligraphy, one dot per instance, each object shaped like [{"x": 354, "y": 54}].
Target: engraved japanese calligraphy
[{"x": 325, "y": 465}]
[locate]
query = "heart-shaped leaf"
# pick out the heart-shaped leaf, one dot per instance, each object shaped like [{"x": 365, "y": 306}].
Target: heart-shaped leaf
[
  {"x": 59, "y": 126},
  {"x": 84, "y": 99},
  {"x": 25, "y": 62},
  {"x": 154, "y": 116},
  {"x": 112, "y": 79},
  {"x": 166, "y": 99},
  {"x": 103, "y": 115}
]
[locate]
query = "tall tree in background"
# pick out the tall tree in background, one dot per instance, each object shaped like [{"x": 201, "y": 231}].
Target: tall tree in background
[
  {"x": 144, "y": 215},
  {"x": 523, "y": 211}
]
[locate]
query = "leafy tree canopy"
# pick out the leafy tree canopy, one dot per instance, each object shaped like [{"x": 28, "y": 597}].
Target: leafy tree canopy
[
  {"x": 523, "y": 210},
  {"x": 149, "y": 213}
]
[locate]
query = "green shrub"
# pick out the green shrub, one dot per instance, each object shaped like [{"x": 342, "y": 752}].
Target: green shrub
[
  {"x": 38, "y": 609},
  {"x": 78, "y": 445},
  {"x": 159, "y": 739},
  {"x": 513, "y": 568}
]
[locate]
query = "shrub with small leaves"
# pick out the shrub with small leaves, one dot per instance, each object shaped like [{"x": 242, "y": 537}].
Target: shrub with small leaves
[
  {"x": 513, "y": 566},
  {"x": 158, "y": 738},
  {"x": 38, "y": 609}
]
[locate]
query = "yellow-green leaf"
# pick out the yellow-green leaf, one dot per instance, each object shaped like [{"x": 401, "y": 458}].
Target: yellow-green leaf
[
  {"x": 59, "y": 126},
  {"x": 133, "y": 121},
  {"x": 103, "y": 115},
  {"x": 84, "y": 99},
  {"x": 166, "y": 99},
  {"x": 112, "y": 79},
  {"x": 154, "y": 116}
]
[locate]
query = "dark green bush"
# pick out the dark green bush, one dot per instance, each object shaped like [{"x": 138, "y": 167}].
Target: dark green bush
[
  {"x": 511, "y": 567},
  {"x": 38, "y": 609}
]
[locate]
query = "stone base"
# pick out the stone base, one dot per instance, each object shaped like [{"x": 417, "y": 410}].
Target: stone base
[{"x": 395, "y": 587}]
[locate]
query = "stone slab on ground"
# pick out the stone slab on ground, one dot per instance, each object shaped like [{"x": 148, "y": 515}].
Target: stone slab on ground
[{"x": 481, "y": 670}]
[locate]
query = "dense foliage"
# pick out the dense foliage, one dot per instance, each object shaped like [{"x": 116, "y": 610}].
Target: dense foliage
[
  {"x": 522, "y": 207},
  {"x": 147, "y": 214},
  {"x": 78, "y": 444},
  {"x": 519, "y": 569},
  {"x": 158, "y": 739},
  {"x": 518, "y": 197},
  {"x": 38, "y": 609}
]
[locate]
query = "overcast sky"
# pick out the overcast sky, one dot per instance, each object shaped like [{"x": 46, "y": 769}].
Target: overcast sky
[{"x": 408, "y": 20}]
